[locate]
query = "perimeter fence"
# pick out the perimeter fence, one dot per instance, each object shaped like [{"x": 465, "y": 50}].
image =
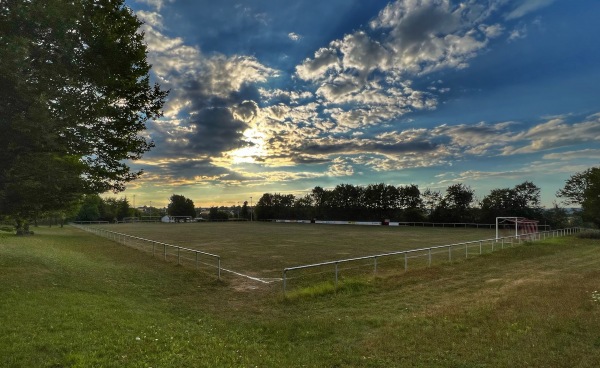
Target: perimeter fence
[
  {"x": 307, "y": 275},
  {"x": 184, "y": 256}
]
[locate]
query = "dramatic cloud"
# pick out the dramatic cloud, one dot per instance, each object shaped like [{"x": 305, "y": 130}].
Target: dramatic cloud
[
  {"x": 212, "y": 96},
  {"x": 263, "y": 94}
]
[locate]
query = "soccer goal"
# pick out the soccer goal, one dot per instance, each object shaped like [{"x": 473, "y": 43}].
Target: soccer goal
[{"x": 516, "y": 226}]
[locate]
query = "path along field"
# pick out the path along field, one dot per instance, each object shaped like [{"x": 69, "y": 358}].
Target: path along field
[
  {"x": 264, "y": 249},
  {"x": 72, "y": 299}
]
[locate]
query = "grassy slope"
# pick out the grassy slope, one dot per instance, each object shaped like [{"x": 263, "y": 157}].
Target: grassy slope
[{"x": 70, "y": 299}]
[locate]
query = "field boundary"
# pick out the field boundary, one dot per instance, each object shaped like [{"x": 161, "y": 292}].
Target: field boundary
[
  {"x": 429, "y": 251},
  {"x": 176, "y": 251},
  {"x": 180, "y": 252}
]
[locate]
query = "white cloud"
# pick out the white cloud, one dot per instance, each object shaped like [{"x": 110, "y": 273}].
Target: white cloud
[
  {"x": 593, "y": 154},
  {"x": 364, "y": 54},
  {"x": 492, "y": 31},
  {"x": 294, "y": 36},
  {"x": 340, "y": 167},
  {"x": 556, "y": 133},
  {"x": 525, "y": 7},
  {"x": 178, "y": 65},
  {"x": 156, "y": 4},
  {"x": 365, "y": 73},
  {"x": 314, "y": 69},
  {"x": 518, "y": 33}
]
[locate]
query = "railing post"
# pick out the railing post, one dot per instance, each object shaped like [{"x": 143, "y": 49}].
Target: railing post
[
  {"x": 336, "y": 275},
  {"x": 284, "y": 280},
  {"x": 480, "y": 249},
  {"x": 450, "y": 253},
  {"x": 466, "y": 250},
  {"x": 219, "y": 267}
]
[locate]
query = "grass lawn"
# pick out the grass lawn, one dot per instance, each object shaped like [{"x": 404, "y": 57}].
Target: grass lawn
[
  {"x": 264, "y": 249},
  {"x": 70, "y": 299}
]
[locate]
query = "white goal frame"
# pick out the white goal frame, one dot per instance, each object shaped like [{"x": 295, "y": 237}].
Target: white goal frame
[{"x": 529, "y": 226}]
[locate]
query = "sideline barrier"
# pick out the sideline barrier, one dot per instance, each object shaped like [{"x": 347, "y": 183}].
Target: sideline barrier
[
  {"x": 164, "y": 250},
  {"x": 430, "y": 251}
]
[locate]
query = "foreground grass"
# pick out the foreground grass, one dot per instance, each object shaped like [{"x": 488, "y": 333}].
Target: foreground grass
[{"x": 69, "y": 299}]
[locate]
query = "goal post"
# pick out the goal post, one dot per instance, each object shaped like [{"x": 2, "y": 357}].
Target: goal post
[{"x": 520, "y": 225}]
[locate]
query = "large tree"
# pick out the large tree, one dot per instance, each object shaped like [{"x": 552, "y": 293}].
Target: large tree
[
  {"x": 75, "y": 96},
  {"x": 584, "y": 189},
  {"x": 181, "y": 206}
]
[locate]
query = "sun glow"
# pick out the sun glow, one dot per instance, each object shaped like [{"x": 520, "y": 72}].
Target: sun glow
[{"x": 251, "y": 153}]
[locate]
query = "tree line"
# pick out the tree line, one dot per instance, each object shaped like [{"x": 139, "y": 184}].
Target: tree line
[
  {"x": 377, "y": 202},
  {"x": 95, "y": 208}
]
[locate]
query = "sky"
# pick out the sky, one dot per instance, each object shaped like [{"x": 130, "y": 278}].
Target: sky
[{"x": 270, "y": 96}]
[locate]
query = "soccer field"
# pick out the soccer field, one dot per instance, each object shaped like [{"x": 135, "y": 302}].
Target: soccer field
[{"x": 264, "y": 249}]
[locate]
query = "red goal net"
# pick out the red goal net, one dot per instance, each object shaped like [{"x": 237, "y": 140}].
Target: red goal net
[{"x": 517, "y": 227}]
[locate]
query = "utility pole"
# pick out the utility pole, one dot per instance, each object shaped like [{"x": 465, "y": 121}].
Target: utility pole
[{"x": 251, "y": 211}]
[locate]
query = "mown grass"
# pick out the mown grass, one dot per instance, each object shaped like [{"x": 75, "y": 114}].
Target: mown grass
[
  {"x": 264, "y": 249},
  {"x": 69, "y": 299}
]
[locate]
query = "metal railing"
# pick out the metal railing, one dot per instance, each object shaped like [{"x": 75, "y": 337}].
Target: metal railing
[
  {"x": 429, "y": 252},
  {"x": 160, "y": 249}
]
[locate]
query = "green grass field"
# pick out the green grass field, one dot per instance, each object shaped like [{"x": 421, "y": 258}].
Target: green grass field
[
  {"x": 263, "y": 249},
  {"x": 71, "y": 299}
]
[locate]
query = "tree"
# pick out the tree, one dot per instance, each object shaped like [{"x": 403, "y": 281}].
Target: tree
[
  {"x": 216, "y": 214},
  {"x": 75, "y": 95},
  {"x": 321, "y": 199},
  {"x": 523, "y": 200},
  {"x": 245, "y": 212},
  {"x": 455, "y": 206},
  {"x": 431, "y": 200},
  {"x": 275, "y": 206},
  {"x": 181, "y": 206},
  {"x": 584, "y": 189},
  {"x": 556, "y": 217},
  {"x": 527, "y": 200},
  {"x": 90, "y": 208}
]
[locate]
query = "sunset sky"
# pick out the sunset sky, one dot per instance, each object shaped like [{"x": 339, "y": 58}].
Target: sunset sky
[{"x": 282, "y": 96}]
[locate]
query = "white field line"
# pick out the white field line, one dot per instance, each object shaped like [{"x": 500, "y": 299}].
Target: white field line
[{"x": 262, "y": 280}]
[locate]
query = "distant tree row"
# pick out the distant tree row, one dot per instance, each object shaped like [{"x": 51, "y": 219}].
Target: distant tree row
[
  {"x": 376, "y": 202},
  {"x": 96, "y": 208}
]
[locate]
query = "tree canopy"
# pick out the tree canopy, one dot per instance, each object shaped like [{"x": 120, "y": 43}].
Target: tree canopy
[
  {"x": 74, "y": 101},
  {"x": 523, "y": 200},
  {"x": 181, "y": 206},
  {"x": 583, "y": 189}
]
